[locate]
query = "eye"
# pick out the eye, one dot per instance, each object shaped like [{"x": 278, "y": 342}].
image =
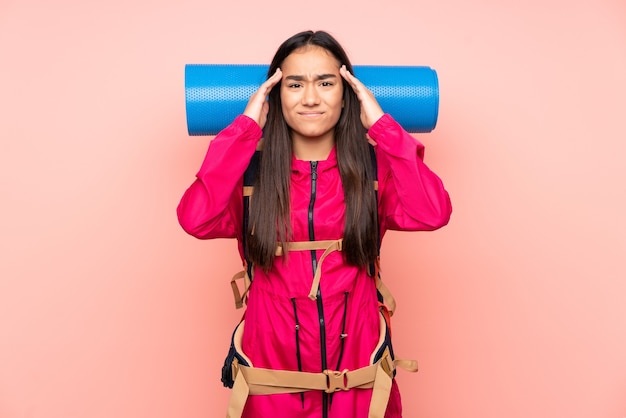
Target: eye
[
  {"x": 326, "y": 83},
  {"x": 294, "y": 85}
]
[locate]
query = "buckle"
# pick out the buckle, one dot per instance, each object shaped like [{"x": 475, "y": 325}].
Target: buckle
[{"x": 336, "y": 381}]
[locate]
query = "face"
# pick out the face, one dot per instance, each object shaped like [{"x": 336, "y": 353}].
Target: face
[{"x": 311, "y": 93}]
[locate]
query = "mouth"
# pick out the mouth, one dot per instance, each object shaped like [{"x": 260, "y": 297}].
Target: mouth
[{"x": 310, "y": 114}]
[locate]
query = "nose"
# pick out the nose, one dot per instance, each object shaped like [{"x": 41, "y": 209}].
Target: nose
[{"x": 310, "y": 96}]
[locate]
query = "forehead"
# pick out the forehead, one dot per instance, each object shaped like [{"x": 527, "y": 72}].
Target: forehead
[{"x": 310, "y": 60}]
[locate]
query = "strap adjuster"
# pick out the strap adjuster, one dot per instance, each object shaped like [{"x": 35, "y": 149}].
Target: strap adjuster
[{"x": 336, "y": 381}]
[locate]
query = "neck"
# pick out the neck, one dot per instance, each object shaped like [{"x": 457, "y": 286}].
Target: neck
[{"x": 313, "y": 149}]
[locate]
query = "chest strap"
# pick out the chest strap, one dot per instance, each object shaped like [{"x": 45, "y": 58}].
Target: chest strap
[{"x": 328, "y": 246}]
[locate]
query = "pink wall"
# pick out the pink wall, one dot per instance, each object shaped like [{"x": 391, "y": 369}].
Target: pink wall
[{"x": 516, "y": 309}]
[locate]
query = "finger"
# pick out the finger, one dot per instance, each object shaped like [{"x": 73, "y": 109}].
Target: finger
[
  {"x": 272, "y": 81},
  {"x": 351, "y": 79},
  {"x": 256, "y": 104},
  {"x": 267, "y": 85},
  {"x": 370, "y": 109},
  {"x": 346, "y": 75}
]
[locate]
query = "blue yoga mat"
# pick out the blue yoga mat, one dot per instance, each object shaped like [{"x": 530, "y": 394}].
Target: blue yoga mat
[{"x": 217, "y": 93}]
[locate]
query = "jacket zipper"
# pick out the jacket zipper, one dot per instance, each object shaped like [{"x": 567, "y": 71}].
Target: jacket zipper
[
  {"x": 320, "y": 306},
  {"x": 342, "y": 337},
  {"x": 295, "y": 314},
  {"x": 343, "y": 330}
]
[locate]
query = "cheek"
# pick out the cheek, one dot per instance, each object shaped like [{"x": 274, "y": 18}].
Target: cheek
[
  {"x": 284, "y": 104},
  {"x": 287, "y": 101},
  {"x": 338, "y": 102},
  {"x": 338, "y": 97},
  {"x": 285, "y": 111}
]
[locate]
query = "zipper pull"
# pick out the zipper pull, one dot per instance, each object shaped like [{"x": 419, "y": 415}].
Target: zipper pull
[{"x": 314, "y": 170}]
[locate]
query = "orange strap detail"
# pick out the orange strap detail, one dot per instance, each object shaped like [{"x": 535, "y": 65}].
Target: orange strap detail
[{"x": 241, "y": 297}]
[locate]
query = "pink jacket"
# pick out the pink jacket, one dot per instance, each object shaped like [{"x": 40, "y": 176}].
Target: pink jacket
[{"x": 284, "y": 328}]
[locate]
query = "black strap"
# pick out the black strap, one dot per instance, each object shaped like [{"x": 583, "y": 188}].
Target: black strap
[
  {"x": 249, "y": 177},
  {"x": 375, "y": 168},
  {"x": 372, "y": 266}
]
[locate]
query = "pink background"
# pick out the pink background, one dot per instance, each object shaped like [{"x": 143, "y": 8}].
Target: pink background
[{"x": 515, "y": 309}]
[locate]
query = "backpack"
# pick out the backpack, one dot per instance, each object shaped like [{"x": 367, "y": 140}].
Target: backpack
[
  {"x": 384, "y": 295},
  {"x": 238, "y": 372}
]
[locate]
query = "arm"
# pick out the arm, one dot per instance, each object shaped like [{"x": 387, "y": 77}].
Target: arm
[
  {"x": 411, "y": 196},
  {"x": 212, "y": 206}
]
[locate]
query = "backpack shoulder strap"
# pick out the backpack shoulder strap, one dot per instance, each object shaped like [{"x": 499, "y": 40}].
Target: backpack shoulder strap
[
  {"x": 375, "y": 170},
  {"x": 249, "y": 177},
  {"x": 385, "y": 298}
]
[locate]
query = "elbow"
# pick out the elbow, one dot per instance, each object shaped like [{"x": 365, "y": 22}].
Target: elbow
[
  {"x": 442, "y": 220},
  {"x": 188, "y": 227},
  {"x": 431, "y": 219},
  {"x": 202, "y": 225},
  {"x": 440, "y": 214},
  {"x": 189, "y": 223}
]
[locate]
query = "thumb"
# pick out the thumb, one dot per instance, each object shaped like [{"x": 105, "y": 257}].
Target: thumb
[{"x": 265, "y": 108}]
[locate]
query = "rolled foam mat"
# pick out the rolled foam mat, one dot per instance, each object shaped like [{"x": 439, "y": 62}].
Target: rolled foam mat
[{"x": 217, "y": 93}]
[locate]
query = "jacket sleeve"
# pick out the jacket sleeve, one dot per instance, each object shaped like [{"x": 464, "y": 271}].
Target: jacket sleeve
[
  {"x": 212, "y": 206},
  {"x": 411, "y": 196}
]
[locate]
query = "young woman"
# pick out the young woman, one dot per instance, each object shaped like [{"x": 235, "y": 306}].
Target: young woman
[{"x": 314, "y": 310}]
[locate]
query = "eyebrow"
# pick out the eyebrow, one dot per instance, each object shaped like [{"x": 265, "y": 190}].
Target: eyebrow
[{"x": 317, "y": 77}]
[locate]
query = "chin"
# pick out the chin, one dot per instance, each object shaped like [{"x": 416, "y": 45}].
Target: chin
[{"x": 313, "y": 135}]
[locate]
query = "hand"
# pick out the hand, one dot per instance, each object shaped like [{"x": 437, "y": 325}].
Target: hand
[
  {"x": 258, "y": 106},
  {"x": 370, "y": 109}
]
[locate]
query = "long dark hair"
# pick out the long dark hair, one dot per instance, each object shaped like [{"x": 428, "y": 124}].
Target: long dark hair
[{"x": 270, "y": 202}]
